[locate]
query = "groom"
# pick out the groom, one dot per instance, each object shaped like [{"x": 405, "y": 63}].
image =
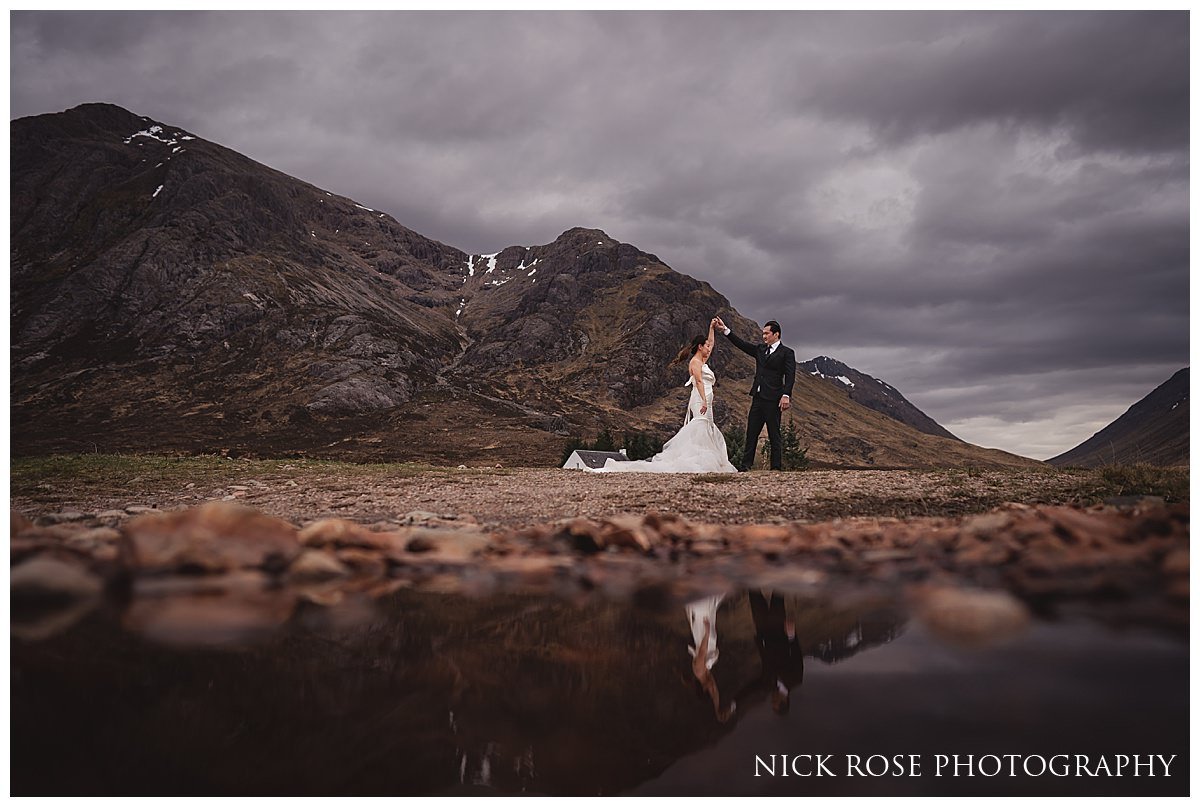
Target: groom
[{"x": 774, "y": 374}]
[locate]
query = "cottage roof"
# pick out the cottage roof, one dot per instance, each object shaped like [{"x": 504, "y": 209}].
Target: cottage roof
[{"x": 596, "y": 459}]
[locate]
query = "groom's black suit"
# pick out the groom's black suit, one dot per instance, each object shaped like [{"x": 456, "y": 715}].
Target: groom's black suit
[{"x": 774, "y": 374}]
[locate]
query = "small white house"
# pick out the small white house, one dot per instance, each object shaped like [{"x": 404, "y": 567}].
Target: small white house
[{"x": 592, "y": 460}]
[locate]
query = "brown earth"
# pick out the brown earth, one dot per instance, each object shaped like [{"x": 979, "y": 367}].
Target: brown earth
[
  {"x": 302, "y": 491},
  {"x": 960, "y": 547}
]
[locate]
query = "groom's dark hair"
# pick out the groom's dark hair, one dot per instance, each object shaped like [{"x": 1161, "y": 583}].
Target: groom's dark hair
[{"x": 774, "y": 326}]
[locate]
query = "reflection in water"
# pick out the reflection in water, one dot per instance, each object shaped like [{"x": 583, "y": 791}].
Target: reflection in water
[
  {"x": 433, "y": 693},
  {"x": 702, "y": 617},
  {"x": 778, "y": 648}
]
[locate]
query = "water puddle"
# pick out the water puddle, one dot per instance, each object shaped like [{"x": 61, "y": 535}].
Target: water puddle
[{"x": 743, "y": 692}]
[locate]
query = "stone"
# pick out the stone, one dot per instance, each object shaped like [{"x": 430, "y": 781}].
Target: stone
[
  {"x": 48, "y": 595},
  {"x": 341, "y": 533},
  {"x": 214, "y": 537},
  {"x": 1177, "y": 563},
  {"x": 456, "y": 544},
  {"x": 1179, "y": 590},
  {"x": 669, "y": 526},
  {"x": 44, "y": 578},
  {"x": 971, "y": 616},
  {"x": 626, "y": 532},
  {"x": 90, "y": 539},
  {"x": 764, "y": 532},
  {"x": 582, "y": 534},
  {"x": 324, "y": 596},
  {"x": 986, "y": 525},
  {"x": 1138, "y": 502},
  {"x": 313, "y": 564},
  {"x": 239, "y": 617},
  {"x": 17, "y": 523},
  {"x": 364, "y": 562},
  {"x": 422, "y": 518},
  {"x": 141, "y": 509},
  {"x": 886, "y": 556},
  {"x": 983, "y": 553},
  {"x": 63, "y": 517},
  {"x": 1087, "y": 529}
]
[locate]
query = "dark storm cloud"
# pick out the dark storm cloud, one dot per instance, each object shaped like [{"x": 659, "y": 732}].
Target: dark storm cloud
[
  {"x": 987, "y": 210},
  {"x": 1116, "y": 80}
]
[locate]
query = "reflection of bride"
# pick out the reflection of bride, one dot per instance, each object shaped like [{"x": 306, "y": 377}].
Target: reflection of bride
[
  {"x": 698, "y": 447},
  {"x": 702, "y": 618}
]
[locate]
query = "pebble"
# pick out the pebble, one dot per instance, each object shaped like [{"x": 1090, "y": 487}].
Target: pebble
[
  {"x": 63, "y": 518},
  {"x": 986, "y": 525},
  {"x": 886, "y": 555},
  {"x": 1140, "y": 502},
  {"x": 340, "y": 532},
  {"x": 49, "y": 595},
  {"x": 47, "y": 578},
  {"x": 971, "y": 616},
  {"x": 425, "y": 518},
  {"x": 236, "y": 618},
  {"x": 313, "y": 564},
  {"x": 141, "y": 509},
  {"x": 1177, "y": 563},
  {"x": 214, "y": 537},
  {"x": 363, "y": 562},
  {"x": 457, "y": 544},
  {"x": 17, "y": 523}
]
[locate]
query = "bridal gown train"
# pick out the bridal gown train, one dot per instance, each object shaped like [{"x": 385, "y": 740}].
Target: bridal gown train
[{"x": 699, "y": 447}]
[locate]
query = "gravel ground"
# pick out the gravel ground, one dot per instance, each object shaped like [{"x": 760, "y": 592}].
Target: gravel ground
[{"x": 518, "y": 497}]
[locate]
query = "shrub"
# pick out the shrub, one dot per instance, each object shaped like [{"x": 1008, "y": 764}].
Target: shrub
[{"x": 1145, "y": 480}]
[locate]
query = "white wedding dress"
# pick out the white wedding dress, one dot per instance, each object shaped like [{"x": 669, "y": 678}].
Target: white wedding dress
[{"x": 697, "y": 448}]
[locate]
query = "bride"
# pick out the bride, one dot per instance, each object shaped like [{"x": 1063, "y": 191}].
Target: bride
[{"x": 698, "y": 447}]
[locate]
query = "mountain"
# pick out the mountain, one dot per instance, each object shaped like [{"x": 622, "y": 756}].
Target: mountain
[
  {"x": 1154, "y": 431},
  {"x": 873, "y": 394},
  {"x": 169, "y": 294}
]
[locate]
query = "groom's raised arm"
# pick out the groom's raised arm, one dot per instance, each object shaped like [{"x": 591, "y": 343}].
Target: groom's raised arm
[{"x": 741, "y": 344}]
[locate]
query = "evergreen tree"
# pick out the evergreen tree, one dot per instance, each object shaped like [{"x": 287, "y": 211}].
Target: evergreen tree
[
  {"x": 605, "y": 441},
  {"x": 640, "y": 446},
  {"x": 573, "y": 445},
  {"x": 795, "y": 458},
  {"x": 735, "y": 444}
]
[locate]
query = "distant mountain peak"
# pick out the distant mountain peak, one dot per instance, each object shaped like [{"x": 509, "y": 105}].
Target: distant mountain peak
[
  {"x": 1154, "y": 431},
  {"x": 873, "y": 394},
  {"x": 585, "y": 232}
]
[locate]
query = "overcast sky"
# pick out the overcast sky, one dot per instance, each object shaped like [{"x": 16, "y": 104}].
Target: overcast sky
[{"x": 987, "y": 210}]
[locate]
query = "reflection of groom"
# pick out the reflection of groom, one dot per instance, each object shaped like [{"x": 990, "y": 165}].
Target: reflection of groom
[
  {"x": 779, "y": 650},
  {"x": 774, "y": 374}
]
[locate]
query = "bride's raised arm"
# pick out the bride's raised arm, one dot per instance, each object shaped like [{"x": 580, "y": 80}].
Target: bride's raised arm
[{"x": 711, "y": 339}]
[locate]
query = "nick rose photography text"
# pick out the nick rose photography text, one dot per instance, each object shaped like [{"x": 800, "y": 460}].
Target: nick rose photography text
[{"x": 1078, "y": 765}]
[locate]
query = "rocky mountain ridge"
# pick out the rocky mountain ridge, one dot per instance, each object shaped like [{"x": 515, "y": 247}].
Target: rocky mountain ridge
[
  {"x": 171, "y": 294},
  {"x": 873, "y": 394},
  {"x": 1154, "y": 431}
]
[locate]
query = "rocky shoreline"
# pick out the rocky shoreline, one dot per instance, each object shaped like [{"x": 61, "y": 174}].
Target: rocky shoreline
[{"x": 222, "y": 570}]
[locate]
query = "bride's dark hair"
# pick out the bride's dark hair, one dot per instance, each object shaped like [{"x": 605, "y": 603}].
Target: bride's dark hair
[{"x": 689, "y": 351}]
